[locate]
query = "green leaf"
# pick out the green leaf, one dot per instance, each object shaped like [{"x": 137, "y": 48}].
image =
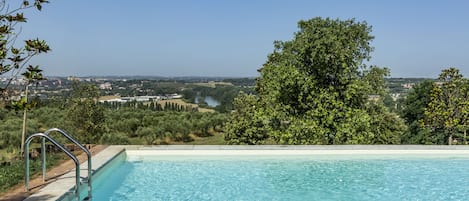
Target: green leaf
[
  {"x": 15, "y": 51},
  {"x": 4, "y": 29}
]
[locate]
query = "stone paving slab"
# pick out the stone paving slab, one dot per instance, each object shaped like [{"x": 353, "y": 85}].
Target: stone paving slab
[{"x": 297, "y": 147}]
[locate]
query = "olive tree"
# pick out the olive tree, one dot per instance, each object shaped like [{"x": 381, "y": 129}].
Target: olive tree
[{"x": 85, "y": 113}]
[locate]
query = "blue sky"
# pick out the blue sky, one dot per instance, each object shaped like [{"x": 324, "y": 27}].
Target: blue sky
[{"x": 233, "y": 38}]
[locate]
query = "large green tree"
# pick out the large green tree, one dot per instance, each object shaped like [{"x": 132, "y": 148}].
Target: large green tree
[
  {"x": 448, "y": 109},
  {"x": 314, "y": 89}
]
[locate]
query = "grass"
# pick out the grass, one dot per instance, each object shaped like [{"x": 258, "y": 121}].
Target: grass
[
  {"x": 107, "y": 98},
  {"x": 215, "y": 139},
  {"x": 4, "y": 154},
  {"x": 12, "y": 171},
  {"x": 212, "y": 84}
]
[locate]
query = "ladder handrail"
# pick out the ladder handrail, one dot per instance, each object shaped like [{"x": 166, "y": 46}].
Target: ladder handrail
[
  {"x": 69, "y": 154},
  {"x": 87, "y": 151}
]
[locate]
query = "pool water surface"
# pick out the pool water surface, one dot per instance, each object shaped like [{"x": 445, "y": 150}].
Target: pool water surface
[{"x": 284, "y": 178}]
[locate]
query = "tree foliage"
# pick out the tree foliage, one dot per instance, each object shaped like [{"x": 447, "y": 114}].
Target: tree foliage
[
  {"x": 448, "y": 109},
  {"x": 85, "y": 114},
  {"x": 314, "y": 89},
  {"x": 14, "y": 59},
  {"x": 413, "y": 112},
  {"x": 246, "y": 124}
]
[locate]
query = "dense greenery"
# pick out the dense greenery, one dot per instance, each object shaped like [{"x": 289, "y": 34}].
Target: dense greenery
[
  {"x": 153, "y": 127},
  {"x": 315, "y": 89},
  {"x": 122, "y": 126},
  {"x": 413, "y": 112},
  {"x": 246, "y": 120},
  {"x": 12, "y": 171}
]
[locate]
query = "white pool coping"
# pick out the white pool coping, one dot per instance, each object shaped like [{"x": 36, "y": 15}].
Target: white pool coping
[
  {"x": 65, "y": 183},
  {"x": 296, "y": 147},
  {"x": 198, "y": 152}
]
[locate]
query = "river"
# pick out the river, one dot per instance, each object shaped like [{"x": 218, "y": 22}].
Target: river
[{"x": 209, "y": 100}]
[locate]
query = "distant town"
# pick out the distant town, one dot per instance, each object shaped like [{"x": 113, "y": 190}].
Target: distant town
[{"x": 146, "y": 88}]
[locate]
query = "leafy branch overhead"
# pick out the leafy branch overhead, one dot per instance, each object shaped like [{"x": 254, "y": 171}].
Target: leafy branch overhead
[{"x": 14, "y": 58}]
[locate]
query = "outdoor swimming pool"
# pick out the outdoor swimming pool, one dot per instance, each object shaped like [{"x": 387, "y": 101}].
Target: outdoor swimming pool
[{"x": 288, "y": 177}]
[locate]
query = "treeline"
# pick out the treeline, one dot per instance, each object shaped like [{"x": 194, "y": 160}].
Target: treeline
[
  {"x": 123, "y": 126},
  {"x": 144, "y": 87},
  {"x": 152, "y": 105},
  {"x": 242, "y": 82},
  {"x": 130, "y": 126}
]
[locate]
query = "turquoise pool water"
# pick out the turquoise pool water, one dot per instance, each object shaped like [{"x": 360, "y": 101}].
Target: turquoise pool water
[{"x": 285, "y": 178}]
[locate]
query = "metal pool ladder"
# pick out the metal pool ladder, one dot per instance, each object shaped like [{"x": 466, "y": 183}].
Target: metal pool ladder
[{"x": 45, "y": 136}]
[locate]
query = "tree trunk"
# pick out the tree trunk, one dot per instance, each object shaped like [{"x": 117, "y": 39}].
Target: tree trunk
[
  {"x": 465, "y": 141},
  {"x": 23, "y": 133}
]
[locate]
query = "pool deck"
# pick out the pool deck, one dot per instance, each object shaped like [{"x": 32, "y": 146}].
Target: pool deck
[
  {"x": 293, "y": 149},
  {"x": 66, "y": 183}
]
